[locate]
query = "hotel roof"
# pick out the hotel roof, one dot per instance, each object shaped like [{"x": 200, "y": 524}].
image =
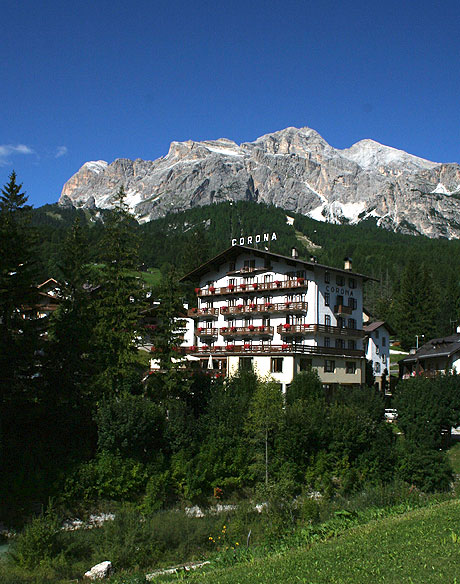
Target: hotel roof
[{"x": 235, "y": 250}]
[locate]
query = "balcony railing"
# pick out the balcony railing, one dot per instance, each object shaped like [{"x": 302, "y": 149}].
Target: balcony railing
[
  {"x": 248, "y": 348},
  {"x": 251, "y": 330},
  {"x": 268, "y": 307},
  {"x": 196, "y": 312},
  {"x": 295, "y": 329},
  {"x": 252, "y": 287},
  {"x": 342, "y": 309},
  {"x": 338, "y": 331},
  {"x": 206, "y": 332}
]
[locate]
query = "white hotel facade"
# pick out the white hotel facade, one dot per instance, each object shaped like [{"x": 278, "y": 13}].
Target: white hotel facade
[{"x": 278, "y": 315}]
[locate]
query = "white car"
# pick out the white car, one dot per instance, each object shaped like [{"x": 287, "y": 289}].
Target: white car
[{"x": 391, "y": 414}]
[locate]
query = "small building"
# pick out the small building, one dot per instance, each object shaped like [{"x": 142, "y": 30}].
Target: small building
[
  {"x": 377, "y": 350},
  {"x": 278, "y": 315},
  {"x": 440, "y": 355}
]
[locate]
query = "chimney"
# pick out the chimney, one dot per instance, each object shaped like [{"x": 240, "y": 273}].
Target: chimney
[
  {"x": 294, "y": 253},
  {"x": 348, "y": 264}
]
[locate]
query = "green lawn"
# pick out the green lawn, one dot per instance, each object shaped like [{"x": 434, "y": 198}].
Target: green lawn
[{"x": 417, "y": 547}]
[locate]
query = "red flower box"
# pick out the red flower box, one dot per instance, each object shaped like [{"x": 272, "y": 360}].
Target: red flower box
[
  {"x": 233, "y": 329},
  {"x": 288, "y": 303},
  {"x": 252, "y": 305},
  {"x": 230, "y": 347},
  {"x": 286, "y": 326},
  {"x": 251, "y": 327},
  {"x": 193, "y": 348},
  {"x": 247, "y": 345},
  {"x": 268, "y": 304},
  {"x": 197, "y": 290},
  {"x": 223, "y": 329},
  {"x": 195, "y": 309},
  {"x": 199, "y": 329},
  {"x": 261, "y": 328},
  {"x": 300, "y": 280},
  {"x": 285, "y": 346},
  {"x": 224, "y": 309},
  {"x": 231, "y": 286},
  {"x": 278, "y": 283},
  {"x": 240, "y": 306},
  {"x": 212, "y": 289},
  {"x": 243, "y": 286},
  {"x": 255, "y": 286}
]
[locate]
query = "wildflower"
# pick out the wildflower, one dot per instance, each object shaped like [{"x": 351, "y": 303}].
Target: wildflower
[{"x": 236, "y": 543}]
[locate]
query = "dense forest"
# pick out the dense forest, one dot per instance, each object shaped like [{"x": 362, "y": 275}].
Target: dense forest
[{"x": 418, "y": 287}]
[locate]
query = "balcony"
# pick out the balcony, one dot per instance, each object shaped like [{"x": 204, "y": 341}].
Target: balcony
[
  {"x": 268, "y": 307},
  {"x": 253, "y": 287},
  {"x": 200, "y": 312},
  {"x": 242, "y": 331},
  {"x": 342, "y": 309},
  {"x": 203, "y": 332},
  {"x": 339, "y": 331},
  {"x": 295, "y": 329},
  {"x": 249, "y": 270},
  {"x": 268, "y": 348}
]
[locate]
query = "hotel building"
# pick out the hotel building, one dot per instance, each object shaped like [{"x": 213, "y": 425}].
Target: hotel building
[{"x": 278, "y": 315}]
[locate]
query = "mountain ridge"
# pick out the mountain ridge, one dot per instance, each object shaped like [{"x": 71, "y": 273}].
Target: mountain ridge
[{"x": 295, "y": 169}]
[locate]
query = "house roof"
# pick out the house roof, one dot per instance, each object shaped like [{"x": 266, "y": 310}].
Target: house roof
[
  {"x": 372, "y": 326},
  {"x": 235, "y": 250},
  {"x": 441, "y": 347}
]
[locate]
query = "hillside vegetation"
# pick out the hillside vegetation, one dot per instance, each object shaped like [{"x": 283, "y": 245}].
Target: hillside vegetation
[{"x": 418, "y": 546}]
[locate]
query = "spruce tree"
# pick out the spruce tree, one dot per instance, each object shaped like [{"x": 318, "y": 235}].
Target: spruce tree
[
  {"x": 119, "y": 299},
  {"x": 18, "y": 294}
]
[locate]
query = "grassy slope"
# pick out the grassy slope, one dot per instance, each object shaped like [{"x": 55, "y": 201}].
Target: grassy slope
[{"x": 415, "y": 547}]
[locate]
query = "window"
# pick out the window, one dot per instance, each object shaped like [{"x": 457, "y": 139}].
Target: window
[
  {"x": 353, "y": 303},
  {"x": 384, "y": 341},
  {"x": 268, "y": 278},
  {"x": 352, "y": 283},
  {"x": 329, "y": 366},
  {"x": 352, "y": 344},
  {"x": 305, "y": 364},
  {"x": 377, "y": 367},
  {"x": 377, "y": 334},
  {"x": 350, "y": 367},
  {"x": 351, "y": 323},
  {"x": 209, "y": 324},
  {"x": 327, "y": 277},
  {"x": 327, "y": 320},
  {"x": 266, "y": 321},
  {"x": 248, "y": 264},
  {"x": 340, "y": 280},
  {"x": 245, "y": 363},
  {"x": 232, "y": 302},
  {"x": 327, "y": 341},
  {"x": 327, "y": 299},
  {"x": 276, "y": 365},
  {"x": 339, "y": 344},
  {"x": 231, "y": 267},
  {"x": 232, "y": 282},
  {"x": 339, "y": 301}
]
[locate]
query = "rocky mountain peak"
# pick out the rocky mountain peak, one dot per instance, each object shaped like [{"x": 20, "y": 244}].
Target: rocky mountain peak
[{"x": 295, "y": 169}]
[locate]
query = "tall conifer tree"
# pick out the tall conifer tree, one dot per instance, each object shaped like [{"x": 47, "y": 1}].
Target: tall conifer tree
[{"x": 120, "y": 299}]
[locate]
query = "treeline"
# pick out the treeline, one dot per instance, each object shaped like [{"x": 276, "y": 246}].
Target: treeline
[{"x": 417, "y": 289}]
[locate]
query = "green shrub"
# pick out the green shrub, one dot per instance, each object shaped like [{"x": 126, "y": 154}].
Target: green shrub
[
  {"x": 109, "y": 477},
  {"x": 38, "y": 543}
]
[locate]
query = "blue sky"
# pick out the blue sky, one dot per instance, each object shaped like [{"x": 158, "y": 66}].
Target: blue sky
[{"x": 107, "y": 79}]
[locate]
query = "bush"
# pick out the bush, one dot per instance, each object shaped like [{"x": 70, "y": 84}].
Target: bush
[
  {"x": 38, "y": 543},
  {"x": 107, "y": 477},
  {"x": 429, "y": 470}
]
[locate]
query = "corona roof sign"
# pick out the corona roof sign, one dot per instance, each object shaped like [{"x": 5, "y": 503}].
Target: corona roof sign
[{"x": 252, "y": 239}]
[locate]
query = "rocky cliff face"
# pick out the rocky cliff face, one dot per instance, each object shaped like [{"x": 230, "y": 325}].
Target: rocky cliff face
[{"x": 295, "y": 169}]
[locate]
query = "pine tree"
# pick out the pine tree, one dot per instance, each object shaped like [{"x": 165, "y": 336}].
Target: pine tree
[
  {"x": 69, "y": 335},
  {"x": 166, "y": 339},
  {"x": 120, "y": 298},
  {"x": 18, "y": 295}
]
